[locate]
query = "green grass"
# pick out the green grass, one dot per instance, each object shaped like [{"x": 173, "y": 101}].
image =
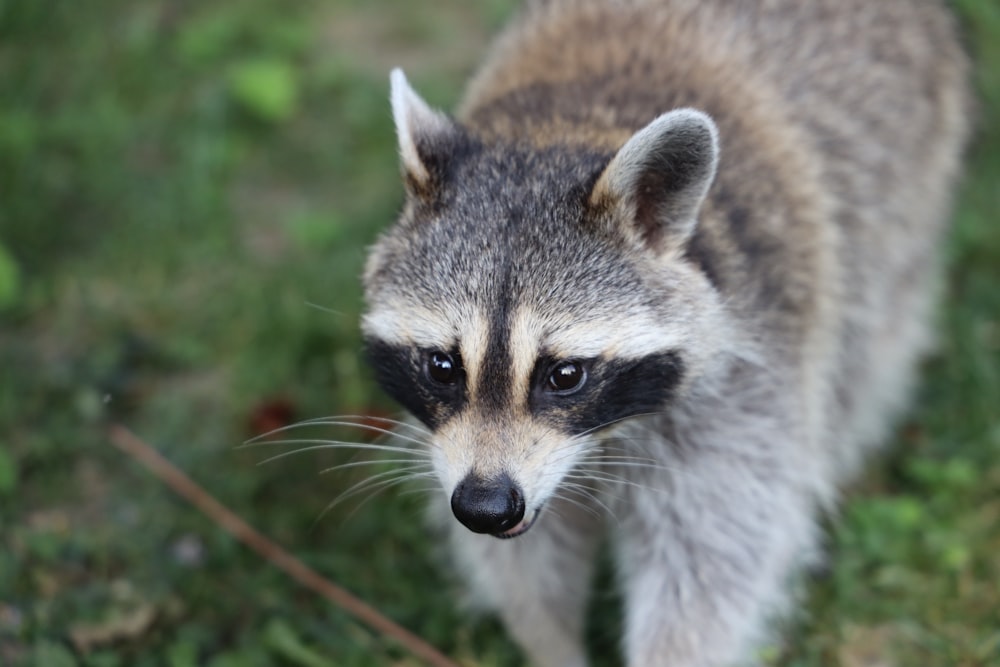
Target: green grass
[{"x": 186, "y": 192}]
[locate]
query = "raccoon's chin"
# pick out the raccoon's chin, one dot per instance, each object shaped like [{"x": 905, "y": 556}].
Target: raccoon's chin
[{"x": 521, "y": 528}]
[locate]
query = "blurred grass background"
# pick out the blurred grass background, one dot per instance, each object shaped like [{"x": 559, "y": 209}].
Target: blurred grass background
[{"x": 186, "y": 194}]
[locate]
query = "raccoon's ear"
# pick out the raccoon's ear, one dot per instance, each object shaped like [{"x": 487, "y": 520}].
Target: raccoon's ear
[
  {"x": 659, "y": 178},
  {"x": 425, "y": 135}
]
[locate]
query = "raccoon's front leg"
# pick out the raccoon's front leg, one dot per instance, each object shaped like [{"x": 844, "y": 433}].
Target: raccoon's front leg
[
  {"x": 705, "y": 558},
  {"x": 539, "y": 582}
]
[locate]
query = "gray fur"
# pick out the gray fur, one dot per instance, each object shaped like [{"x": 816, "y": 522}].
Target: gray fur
[{"x": 781, "y": 246}]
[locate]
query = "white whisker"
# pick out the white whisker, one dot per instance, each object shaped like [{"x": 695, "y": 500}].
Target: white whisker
[
  {"x": 376, "y": 481},
  {"x": 331, "y": 311},
  {"x": 414, "y": 465},
  {"x": 612, "y": 479},
  {"x": 339, "y": 444},
  {"x": 352, "y": 421},
  {"x": 628, "y": 462},
  {"x": 372, "y": 486},
  {"x": 265, "y": 439},
  {"x": 612, "y": 422},
  {"x": 586, "y": 492}
]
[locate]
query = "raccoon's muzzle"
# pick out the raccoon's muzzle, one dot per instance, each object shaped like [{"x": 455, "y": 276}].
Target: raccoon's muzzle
[{"x": 492, "y": 506}]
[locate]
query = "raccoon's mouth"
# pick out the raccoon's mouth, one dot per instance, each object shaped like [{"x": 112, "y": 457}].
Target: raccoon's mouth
[{"x": 519, "y": 529}]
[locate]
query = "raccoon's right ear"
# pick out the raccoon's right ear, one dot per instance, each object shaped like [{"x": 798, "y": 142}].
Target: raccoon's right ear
[
  {"x": 426, "y": 136},
  {"x": 657, "y": 181}
]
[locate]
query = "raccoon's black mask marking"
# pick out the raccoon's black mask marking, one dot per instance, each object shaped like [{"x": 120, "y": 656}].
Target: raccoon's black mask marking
[
  {"x": 400, "y": 372},
  {"x": 615, "y": 389}
]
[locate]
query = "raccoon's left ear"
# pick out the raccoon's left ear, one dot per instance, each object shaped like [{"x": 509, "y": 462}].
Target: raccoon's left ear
[
  {"x": 426, "y": 136},
  {"x": 659, "y": 178}
]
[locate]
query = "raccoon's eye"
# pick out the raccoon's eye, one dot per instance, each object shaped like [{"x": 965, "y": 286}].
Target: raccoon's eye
[
  {"x": 443, "y": 367},
  {"x": 566, "y": 376}
]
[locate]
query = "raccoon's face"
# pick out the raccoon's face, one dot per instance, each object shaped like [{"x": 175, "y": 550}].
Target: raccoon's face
[{"x": 529, "y": 299}]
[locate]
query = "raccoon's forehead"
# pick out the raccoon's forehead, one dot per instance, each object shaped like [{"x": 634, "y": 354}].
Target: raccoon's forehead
[
  {"x": 528, "y": 311},
  {"x": 526, "y": 328},
  {"x": 507, "y": 248},
  {"x": 505, "y": 220}
]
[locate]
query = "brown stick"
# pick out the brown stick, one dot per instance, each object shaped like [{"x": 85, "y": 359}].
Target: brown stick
[{"x": 128, "y": 442}]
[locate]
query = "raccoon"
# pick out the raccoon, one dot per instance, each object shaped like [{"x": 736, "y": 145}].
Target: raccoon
[{"x": 661, "y": 283}]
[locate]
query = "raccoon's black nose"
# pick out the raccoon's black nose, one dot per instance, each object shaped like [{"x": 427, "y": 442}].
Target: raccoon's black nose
[{"x": 488, "y": 505}]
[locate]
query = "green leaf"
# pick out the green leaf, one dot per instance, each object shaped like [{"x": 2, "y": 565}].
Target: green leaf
[
  {"x": 205, "y": 39},
  {"x": 52, "y": 654},
  {"x": 266, "y": 88},
  {"x": 182, "y": 653},
  {"x": 102, "y": 659},
  {"x": 313, "y": 230},
  {"x": 8, "y": 473},
  {"x": 10, "y": 279},
  {"x": 281, "y": 639}
]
